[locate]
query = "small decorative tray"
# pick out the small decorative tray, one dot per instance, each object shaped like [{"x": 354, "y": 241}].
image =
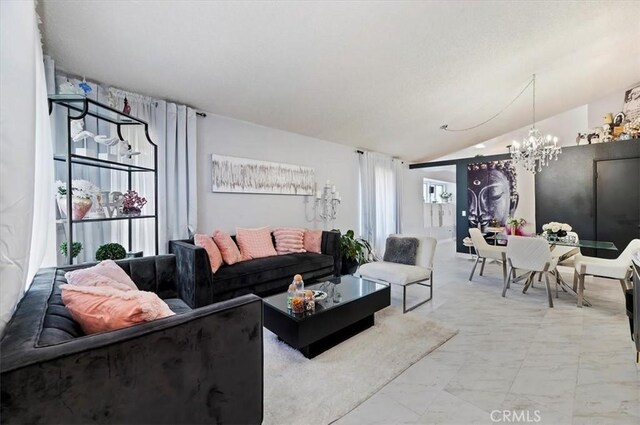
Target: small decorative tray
[{"x": 319, "y": 295}]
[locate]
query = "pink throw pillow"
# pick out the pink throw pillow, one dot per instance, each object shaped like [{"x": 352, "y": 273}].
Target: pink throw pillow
[
  {"x": 313, "y": 240},
  {"x": 255, "y": 243},
  {"x": 105, "y": 273},
  {"x": 289, "y": 240},
  {"x": 228, "y": 249},
  {"x": 109, "y": 268},
  {"x": 101, "y": 309},
  {"x": 206, "y": 242}
]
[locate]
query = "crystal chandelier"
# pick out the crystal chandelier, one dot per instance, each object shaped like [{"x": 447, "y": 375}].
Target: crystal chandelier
[{"x": 535, "y": 150}]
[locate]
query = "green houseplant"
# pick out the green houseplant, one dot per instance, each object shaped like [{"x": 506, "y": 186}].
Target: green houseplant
[
  {"x": 76, "y": 247},
  {"x": 110, "y": 251},
  {"x": 355, "y": 251}
]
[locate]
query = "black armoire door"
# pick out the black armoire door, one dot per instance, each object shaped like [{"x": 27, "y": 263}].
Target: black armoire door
[{"x": 617, "y": 203}]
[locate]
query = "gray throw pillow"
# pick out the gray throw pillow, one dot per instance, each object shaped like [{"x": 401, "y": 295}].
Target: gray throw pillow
[{"x": 401, "y": 250}]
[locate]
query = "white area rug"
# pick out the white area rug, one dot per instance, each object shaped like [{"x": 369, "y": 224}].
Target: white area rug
[{"x": 319, "y": 391}]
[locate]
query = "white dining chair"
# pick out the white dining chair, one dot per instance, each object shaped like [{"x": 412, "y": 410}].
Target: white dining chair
[
  {"x": 533, "y": 255},
  {"x": 618, "y": 268},
  {"x": 484, "y": 251}
]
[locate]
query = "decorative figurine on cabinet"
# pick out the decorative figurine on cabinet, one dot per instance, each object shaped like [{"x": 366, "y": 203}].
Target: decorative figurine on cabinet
[{"x": 127, "y": 107}]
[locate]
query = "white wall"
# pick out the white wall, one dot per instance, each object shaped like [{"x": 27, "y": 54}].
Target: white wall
[
  {"x": 612, "y": 103},
  {"x": 413, "y": 206},
  {"x": 226, "y": 211},
  {"x": 443, "y": 174},
  {"x": 412, "y": 202}
]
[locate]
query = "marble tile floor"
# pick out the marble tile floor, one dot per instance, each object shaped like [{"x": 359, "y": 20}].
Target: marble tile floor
[{"x": 569, "y": 365}]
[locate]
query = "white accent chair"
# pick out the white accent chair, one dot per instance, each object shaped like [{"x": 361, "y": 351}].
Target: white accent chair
[
  {"x": 484, "y": 251},
  {"x": 619, "y": 268},
  {"x": 534, "y": 255},
  {"x": 405, "y": 275}
]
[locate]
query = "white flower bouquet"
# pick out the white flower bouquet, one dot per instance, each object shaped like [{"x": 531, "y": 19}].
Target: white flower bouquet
[
  {"x": 79, "y": 189},
  {"x": 557, "y": 229}
]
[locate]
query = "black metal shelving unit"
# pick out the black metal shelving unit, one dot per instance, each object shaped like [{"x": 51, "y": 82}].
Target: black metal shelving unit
[{"x": 83, "y": 107}]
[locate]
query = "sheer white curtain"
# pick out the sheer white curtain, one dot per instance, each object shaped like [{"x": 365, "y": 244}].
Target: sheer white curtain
[
  {"x": 380, "y": 191},
  {"x": 143, "y": 230},
  {"x": 180, "y": 177},
  {"x": 172, "y": 128},
  {"x": 23, "y": 126},
  {"x": 43, "y": 236}
]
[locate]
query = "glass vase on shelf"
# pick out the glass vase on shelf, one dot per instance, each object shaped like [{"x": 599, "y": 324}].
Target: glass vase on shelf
[
  {"x": 79, "y": 207},
  {"x": 82, "y": 192}
]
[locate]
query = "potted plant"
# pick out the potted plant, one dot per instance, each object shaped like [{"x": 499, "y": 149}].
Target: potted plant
[
  {"x": 110, "y": 251},
  {"x": 513, "y": 224},
  {"x": 76, "y": 247},
  {"x": 132, "y": 203},
  {"x": 81, "y": 193},
  {"x": 446, "y": 196},
  {"x": 355, "y": 251}
]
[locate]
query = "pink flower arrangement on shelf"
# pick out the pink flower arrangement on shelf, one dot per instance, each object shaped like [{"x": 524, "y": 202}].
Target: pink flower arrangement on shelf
[{"x": 132, "y": 203}]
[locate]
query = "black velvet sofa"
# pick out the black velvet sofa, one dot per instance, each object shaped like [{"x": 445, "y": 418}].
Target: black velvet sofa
[
  {"x": 201, "y": 366},
  {"x": 261, "y": 276}
]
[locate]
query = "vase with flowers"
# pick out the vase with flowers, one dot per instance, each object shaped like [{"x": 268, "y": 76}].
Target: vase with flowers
[
  {"x": 81, "y": 193},
  {"x": 132, "y": 203},
  {"x": 446, "y": 196},
  {"x": 514, "y": 225},
  {"x": 555, "y": 230}
]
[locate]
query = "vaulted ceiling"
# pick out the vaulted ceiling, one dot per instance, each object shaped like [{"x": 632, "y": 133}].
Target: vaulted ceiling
[{"x": 376, "y": 75}]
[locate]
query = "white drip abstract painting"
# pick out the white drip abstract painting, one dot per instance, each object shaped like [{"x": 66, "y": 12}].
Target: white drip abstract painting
[{"x": 243, "y": 175}]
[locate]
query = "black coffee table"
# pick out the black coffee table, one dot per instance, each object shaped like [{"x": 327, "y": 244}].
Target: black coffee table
[{"x": 348, "y": 310}]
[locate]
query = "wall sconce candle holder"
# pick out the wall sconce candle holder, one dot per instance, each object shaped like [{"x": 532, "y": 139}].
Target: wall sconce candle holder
[{"x": 326, "y": 202}]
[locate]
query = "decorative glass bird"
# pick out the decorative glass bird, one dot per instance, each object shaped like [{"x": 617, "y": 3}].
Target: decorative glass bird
[
  {"x": 86, "y": 88},
  {"x": 107, "y": 141}
]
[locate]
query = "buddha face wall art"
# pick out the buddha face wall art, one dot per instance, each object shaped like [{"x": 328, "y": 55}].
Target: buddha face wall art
[{"x": 491, "y": 192}]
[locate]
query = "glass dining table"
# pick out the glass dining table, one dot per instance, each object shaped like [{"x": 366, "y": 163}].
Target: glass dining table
[
  {"x": 581, "y": 243},
  {"x": 574, "y": 246}
]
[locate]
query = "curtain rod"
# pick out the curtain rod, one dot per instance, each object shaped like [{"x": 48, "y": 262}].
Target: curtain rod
[
  {"x": 358, "y": 151},
  {"x": 201, "y": 114}
]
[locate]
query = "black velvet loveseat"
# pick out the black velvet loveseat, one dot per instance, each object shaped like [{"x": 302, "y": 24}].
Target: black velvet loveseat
[
  {"x": 199, "y": 366},
  {"x": 261, "y": 276}
]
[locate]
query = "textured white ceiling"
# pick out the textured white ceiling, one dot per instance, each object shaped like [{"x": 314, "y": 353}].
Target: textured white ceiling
[{"x": 376, "y": 75}]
